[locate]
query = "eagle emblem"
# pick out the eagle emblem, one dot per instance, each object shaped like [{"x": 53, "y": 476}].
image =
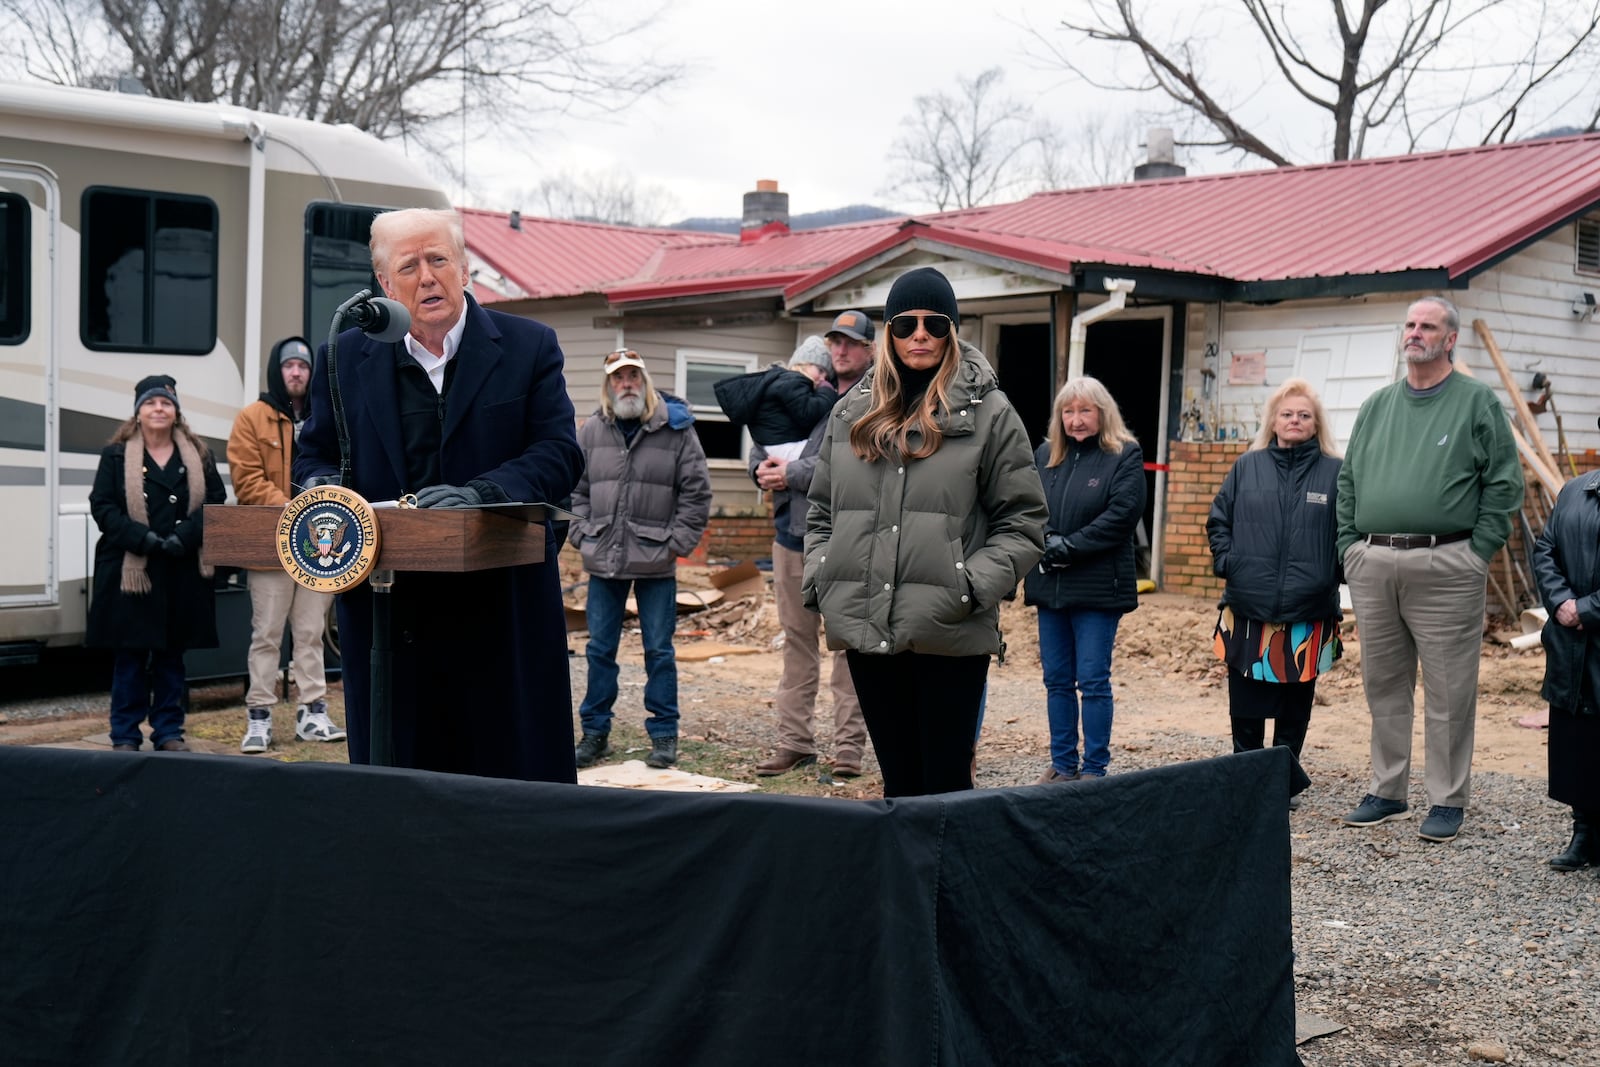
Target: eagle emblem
[{"x": 326, "y": 541}]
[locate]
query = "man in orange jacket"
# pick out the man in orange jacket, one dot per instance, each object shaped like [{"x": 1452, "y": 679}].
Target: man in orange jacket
[{"x": 260, "y": 450}]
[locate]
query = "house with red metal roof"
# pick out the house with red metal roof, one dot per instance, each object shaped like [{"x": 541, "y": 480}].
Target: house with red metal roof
[{"x": 1190, "y": 297}]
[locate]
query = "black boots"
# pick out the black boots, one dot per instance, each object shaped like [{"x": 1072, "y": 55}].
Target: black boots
[
  {"x": 591, "y": 748},
  {"x": 663, "y": 752},
  {"x": 1584, "y": 849}
]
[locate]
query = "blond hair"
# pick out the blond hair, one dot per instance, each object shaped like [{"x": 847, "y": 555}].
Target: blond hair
[
  {"x": 1269, "y": 415},
  {"x": 885, "y": 431},
  {"x": 1113, "y": 431},
  {"x": 388, "y": 225}
]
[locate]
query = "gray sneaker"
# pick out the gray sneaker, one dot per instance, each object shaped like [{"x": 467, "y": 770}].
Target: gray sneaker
[
  {"x": 1442, "y": 824},
  {"x": 257, "y": 731},
  {"x": 1374, "y": 809},
  {"x": 311, "y": 723}
]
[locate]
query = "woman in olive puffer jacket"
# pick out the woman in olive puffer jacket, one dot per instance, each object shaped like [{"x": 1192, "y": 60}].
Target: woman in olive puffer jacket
[{"x": 925, "y": 513}]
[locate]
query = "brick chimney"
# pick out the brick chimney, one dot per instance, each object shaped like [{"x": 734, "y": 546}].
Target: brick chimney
[
  {"x": 766, "y": 212},
  {"x": 1162, "y": 162}
]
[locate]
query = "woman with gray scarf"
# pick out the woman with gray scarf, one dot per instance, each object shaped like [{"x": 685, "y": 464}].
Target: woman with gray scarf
[{"x": 152, "y": 595}]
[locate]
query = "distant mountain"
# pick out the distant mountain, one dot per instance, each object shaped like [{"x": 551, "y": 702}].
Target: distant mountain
[{"x": 810, "y": 220}]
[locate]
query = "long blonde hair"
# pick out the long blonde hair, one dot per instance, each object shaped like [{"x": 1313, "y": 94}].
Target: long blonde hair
[
  {"x": 652, "y": 399},
  {"x": 1113, "y": 431},
  {"x": 884, "y": 432},
  {"x": 1269, "y": 415}
]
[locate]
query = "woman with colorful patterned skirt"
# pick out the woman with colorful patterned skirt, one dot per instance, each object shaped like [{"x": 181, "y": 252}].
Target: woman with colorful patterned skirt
[{"x": 1272, "y": 530}]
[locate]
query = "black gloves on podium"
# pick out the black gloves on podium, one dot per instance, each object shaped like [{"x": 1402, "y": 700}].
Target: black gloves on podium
[{"x": 448, "y": 496}]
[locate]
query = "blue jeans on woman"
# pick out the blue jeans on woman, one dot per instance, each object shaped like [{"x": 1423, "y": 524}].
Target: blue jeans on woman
[
  {"x": 1075, "y": 650},
  {"x": 135, "y": 672},
  {"x": 658, "y": 613}
]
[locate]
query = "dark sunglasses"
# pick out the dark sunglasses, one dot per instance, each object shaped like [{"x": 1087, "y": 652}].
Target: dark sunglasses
[
  {"x": 903, "y": 326},
  {"x": 620, "y": 354}
]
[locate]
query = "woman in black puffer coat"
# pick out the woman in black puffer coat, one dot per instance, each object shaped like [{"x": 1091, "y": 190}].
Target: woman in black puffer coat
[
  {"x": 1093, "y": 475},
  {"x": 1566, "y": 566},
  {"x": 1272, "y": 530}
]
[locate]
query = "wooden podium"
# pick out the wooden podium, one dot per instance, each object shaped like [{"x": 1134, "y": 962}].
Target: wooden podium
[{"x": 451, "y": 540}]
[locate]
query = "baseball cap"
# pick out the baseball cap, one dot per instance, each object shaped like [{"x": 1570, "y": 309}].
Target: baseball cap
[
  {"x": 623, "y": 357},
  {"x": 855, "y": 325}
]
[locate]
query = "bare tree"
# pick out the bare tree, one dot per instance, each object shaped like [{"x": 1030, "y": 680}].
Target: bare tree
[
  {"x": 1370, "y": 66},
  {"x": 602, "y": 197},
  {"x": 964, "y": 149},
  {"x": 387, "y": 66}
]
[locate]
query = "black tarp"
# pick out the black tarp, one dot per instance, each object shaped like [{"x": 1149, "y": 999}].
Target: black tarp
[{"x": 165, "y": 909}]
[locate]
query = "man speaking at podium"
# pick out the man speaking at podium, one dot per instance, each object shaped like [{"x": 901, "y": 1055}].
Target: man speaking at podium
[{"x": 468, "y": 408}]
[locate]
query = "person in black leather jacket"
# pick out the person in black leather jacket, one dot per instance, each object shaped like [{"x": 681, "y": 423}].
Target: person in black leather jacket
[
  {"x": 1273, "y": 528},
  {"x": 1093, "y": 474},
  {"x": 1566, "y": 567}
]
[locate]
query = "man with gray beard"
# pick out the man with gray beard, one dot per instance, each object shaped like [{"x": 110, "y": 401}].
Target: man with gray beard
[
  {"x": 1429, "y": 482},
  {"x": 643, "y": 501}
]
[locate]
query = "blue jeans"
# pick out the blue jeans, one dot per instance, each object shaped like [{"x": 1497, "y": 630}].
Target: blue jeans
[
  {"x": 658, "y": 614},
  {"x": 134, "y": 673},
  {"x": 1075, "y": 650}
]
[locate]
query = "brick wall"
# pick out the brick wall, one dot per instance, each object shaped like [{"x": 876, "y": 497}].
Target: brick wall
[
  {"x": 1196, "y": 470},
  {"x": 737, "y": 534}
]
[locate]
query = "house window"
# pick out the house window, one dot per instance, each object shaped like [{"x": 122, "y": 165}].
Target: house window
[
  {"x": 338, "y": 264},
  {"x": 1589, "y": 245},
  {"x": 697, "y": 377},
  {"x": 14, "y": 255},
  {"x": 149, "y": 281}
]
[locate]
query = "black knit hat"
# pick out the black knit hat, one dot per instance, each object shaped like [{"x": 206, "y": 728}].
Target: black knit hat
[
  {"x": 155, "y": 385},
  {"x": 923, "y": 288}
]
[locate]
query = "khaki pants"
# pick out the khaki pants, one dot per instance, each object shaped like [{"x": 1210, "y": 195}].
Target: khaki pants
[
  {"x": 802, "y": 669},
  {"x": 1420, "y": 605},
  {"x": 274, "y": 598}
]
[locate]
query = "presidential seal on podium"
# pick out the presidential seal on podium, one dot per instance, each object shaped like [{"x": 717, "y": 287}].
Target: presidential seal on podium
[{"x": 328, "y": 538}]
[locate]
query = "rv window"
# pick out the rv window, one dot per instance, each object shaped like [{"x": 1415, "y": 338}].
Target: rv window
[
  {"x": 338, "y": 264},
  {"x": 15, "y": 251},
  {"x": 149, "y": 272}
]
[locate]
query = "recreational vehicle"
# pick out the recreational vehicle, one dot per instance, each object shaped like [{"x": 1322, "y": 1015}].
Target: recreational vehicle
[{"x": 142, "y": 236}]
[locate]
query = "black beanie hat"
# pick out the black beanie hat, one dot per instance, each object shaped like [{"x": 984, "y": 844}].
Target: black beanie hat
[
  {"x": 155, "y": 385},
  {"x": 923, "y": 288}
]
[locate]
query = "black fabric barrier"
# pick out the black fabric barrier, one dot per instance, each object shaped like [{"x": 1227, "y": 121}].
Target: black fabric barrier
[{"x": 165, "y": 909}]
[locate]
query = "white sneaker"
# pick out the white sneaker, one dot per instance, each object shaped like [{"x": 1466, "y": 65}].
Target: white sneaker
[
  {"x": 258, "y": 732},
  {"x": 311, "y": 723}
]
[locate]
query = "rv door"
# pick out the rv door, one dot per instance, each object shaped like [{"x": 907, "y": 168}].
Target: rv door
[{"x": 29, "y": 495}]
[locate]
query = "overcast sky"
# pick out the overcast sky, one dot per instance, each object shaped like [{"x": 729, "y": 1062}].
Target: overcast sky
[{"x": 812, "y": 95}]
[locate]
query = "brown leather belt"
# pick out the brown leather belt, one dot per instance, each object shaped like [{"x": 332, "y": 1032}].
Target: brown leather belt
[{"x": 1417, "y": 540}]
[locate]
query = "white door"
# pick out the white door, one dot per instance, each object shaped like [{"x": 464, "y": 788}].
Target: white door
[
  {"x": 29, "y": 211},
  {"x": 1347, "y": 366}
]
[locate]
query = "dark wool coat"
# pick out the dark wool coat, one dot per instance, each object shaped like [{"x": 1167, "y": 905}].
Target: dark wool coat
[
  {"x": 777, "y": 404},
  {"x": 1273, "y": 527},
  {"x": 179, "y": 612},
  {"x": 642, "y": 503},
  {"x": 916, "y": 556},
  {"x": 1566, "y": 566},
  {"x": 1096, "y": 501},
  {"x": 480, "y": 683}
]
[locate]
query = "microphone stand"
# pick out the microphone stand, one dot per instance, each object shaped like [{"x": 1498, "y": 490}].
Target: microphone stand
[{"x": 380, "y": 723}]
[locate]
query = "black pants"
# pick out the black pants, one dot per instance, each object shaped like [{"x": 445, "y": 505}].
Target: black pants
[
  {"x": 1252, "y": 703},
  {"x": 922, "y": 713}
]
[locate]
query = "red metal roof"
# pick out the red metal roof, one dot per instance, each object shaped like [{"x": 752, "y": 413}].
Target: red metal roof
[
  {"x": 1456, "y": 211},
  {"x": 556, "y": 257},
  {"x": 770, "y": 263}
]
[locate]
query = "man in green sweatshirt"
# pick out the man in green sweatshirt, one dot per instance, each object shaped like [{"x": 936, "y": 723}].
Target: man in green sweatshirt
[{"x": 1429, "y": 483}]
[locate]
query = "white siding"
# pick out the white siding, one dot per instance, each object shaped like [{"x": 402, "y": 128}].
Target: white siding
[{"x": 1526, "y": 302}]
